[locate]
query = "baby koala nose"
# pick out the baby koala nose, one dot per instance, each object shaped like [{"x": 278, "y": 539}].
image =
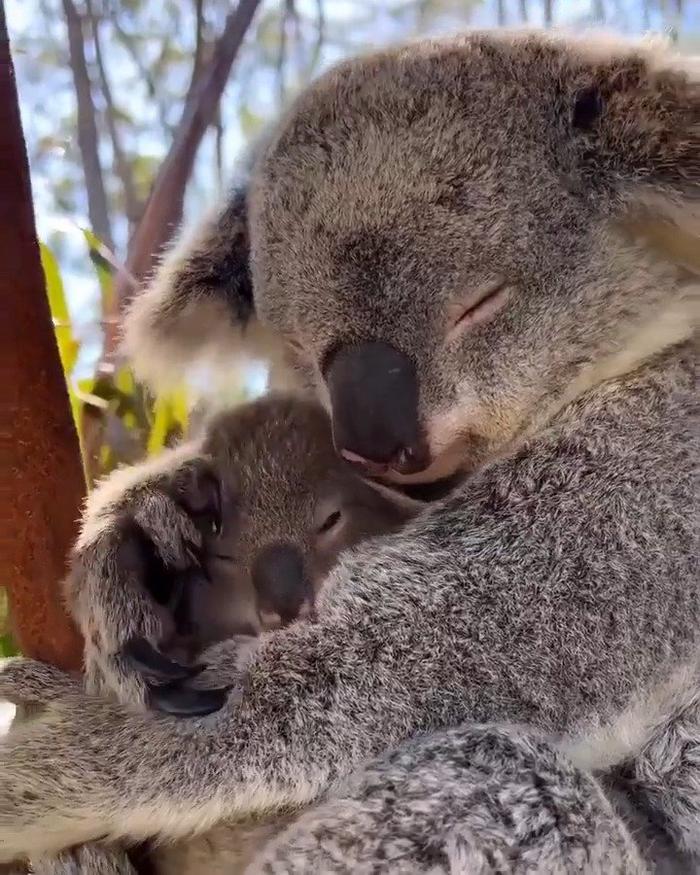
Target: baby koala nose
[
  {"x": 280, "y": 582},
  {"x": 374, "y": 399}
]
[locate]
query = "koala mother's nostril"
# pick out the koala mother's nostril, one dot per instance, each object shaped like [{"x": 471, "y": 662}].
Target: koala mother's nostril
[
  {"x": 405, "y": 461},
  {"x": 280, "y": 581},
  {"x": 411, "y": 460},
  {"x": 374, "y": 402}
]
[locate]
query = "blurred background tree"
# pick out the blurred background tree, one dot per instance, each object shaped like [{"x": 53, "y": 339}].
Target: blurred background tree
[{"x": 134, "y": 111}]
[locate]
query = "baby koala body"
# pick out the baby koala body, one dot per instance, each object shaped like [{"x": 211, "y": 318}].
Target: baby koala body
[{"x": 272, "y": 508}]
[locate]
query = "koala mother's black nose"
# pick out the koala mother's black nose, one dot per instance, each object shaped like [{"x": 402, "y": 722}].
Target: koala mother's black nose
[
  {"x": 374, "y": 401},
  {"x": 280, "y": 582}
]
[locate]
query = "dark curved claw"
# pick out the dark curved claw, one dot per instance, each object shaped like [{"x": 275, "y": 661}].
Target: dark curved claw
[
  {"x": 181, "y": 701},
  {"x": 154, "y": 665}
]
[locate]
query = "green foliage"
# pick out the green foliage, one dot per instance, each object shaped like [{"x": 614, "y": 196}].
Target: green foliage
[
  {"x": 7, "y": 646},
  {"x": 143, "y": 171},
  {"x": 68, "y": 346},
  {"x": 96, "y": 251},
  {"x": 251, "y": 122},
  {"x": 170, "y": 415},
  {"x": 127, "y": 422}
]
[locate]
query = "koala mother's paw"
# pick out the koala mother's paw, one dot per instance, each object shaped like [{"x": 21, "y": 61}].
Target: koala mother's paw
[{"x": 177, "y": 689}]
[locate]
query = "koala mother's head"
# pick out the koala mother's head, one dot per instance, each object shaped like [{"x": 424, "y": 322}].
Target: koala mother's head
[{"x": 450, "y": 240}]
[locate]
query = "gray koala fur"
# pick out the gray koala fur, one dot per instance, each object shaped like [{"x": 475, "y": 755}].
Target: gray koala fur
[
  {"x": 262, "y": 475},
  {"x": 558, "y": 587},
  {"x": 475, "y": 800}
]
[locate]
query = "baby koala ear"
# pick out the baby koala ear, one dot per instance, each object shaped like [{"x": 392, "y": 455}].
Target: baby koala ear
[
  {"x": 199, "y": 306},
  {"x": 200, "y": 491},
  {"x": 634, "y": 120}
]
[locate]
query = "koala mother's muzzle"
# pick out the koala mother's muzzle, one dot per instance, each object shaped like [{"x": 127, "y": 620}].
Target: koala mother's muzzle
[{"x": 374, "y": 403}]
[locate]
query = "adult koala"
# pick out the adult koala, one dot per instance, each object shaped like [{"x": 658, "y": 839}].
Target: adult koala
[{"x": 480, "y": 252}]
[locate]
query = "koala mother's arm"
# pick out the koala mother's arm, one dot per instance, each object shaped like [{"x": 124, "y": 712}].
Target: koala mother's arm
[{"x": 553, "y": 590}]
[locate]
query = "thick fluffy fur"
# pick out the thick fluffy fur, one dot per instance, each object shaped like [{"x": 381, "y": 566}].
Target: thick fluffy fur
[
  {"x": 272, "y": 466},
  {"x": 86, "y": 860},
  {"x": 562, "y": 648},
  {"x": 476, "y": 800},
  {"x": 559, "y": 586}
]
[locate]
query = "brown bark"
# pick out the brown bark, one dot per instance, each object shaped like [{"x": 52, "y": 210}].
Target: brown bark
[
  {"x": 41, "y": 486},
  {"x": 88, "y": 141},
  {"x": 199, "y": 39},
  {"x": 163, "y": 211}
]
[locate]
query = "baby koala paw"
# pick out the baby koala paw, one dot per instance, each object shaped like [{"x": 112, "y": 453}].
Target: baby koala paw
[{"x": 189, "y": 690}]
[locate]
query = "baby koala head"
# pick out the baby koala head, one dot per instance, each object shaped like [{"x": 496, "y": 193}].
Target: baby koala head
[{"x": 286, "y": 507}]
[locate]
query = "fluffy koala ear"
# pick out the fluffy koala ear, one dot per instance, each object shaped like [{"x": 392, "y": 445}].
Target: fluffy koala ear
[
  {"x": 634, "y": 112},
  {"x": 199, "y": 306}
]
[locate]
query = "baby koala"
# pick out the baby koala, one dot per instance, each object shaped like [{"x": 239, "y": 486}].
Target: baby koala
[{"x": 276, "y": 506}]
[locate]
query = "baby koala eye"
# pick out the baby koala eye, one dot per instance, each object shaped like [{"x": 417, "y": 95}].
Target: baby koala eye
[
  {"x": 330, "y": 522},
  {"x": 328, "y": 516},
  {"x": 480, "y": 306}
]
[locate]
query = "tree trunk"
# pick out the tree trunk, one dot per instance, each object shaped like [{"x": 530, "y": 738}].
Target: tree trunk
[{"x": 42, "y": 482}]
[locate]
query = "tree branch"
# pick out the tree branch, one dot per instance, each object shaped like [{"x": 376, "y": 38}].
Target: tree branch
[
  {"x": 320, "y": 36},
  {"x": 163, "y": 211},
  {"x": 88, "y": 140},
  {"x": 127, "y": 40},
  {"x": 219, "y": 147},
  {"x": 501, "y": 12},
  {"x": 121, "y": 164},
  {"x": 199, "y": 40},
  {"x": 548, "y": 12},
  {"x": 598, "y": 11},
  {"x": 282, "y": 53}
]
